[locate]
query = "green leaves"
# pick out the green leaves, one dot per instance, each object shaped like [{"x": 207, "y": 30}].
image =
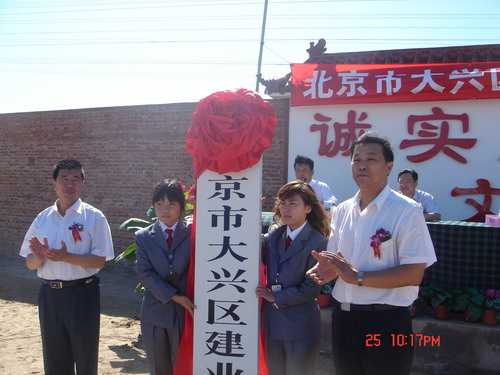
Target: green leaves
[
  {"x": 128, "y": 254},
  {"x": 133, "y": 224},
  {"x": 438, "y": 296},
  {"x": 472, "y": 300}
]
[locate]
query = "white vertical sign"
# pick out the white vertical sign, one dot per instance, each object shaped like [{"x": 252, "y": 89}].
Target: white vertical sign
[{"x": 227, "y": 264}]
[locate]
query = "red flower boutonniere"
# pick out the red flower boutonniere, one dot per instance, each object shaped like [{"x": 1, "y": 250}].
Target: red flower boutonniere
[
  {"x": 75, "y": 231},
  {"x": 380, "y": 236}
]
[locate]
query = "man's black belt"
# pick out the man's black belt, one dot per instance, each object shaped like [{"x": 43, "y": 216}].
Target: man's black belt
[
  {"x": 373, "y": 307},
  {"x": 59, "y": 284}
]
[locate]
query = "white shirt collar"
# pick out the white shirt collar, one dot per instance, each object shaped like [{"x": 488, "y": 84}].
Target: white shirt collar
[
  {"x": 294, "y": 233},
  {"x": 77, "y": 207},
  {"x": 378, "y": 201},
  {"x": 164, "y": 227}
]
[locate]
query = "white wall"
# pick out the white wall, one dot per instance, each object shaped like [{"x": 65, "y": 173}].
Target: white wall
[{"x": 438, "y": 175}]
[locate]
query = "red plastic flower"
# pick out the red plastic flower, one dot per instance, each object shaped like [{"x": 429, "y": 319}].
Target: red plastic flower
[
  {"x": 229, "y": 131},
  {"x": 380, "y": 236},
  {"x": 75, "y": 229}
]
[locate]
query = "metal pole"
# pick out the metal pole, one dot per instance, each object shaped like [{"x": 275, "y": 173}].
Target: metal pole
[{"x": 261, "y": 44}]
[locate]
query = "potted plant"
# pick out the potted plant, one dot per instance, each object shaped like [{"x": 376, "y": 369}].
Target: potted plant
[
  {"x": 491, "y": 306},
  {"x": 440, "y": 299},
  {"x": 417, "y": 305},
  {"x": 471, "y": 302},
  {"x": 325, "y": 295}
]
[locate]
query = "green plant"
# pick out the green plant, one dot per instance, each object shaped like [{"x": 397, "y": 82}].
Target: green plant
[
  {"x": 471, "y": 300},
  {"x": 435, "y": 296},
  {"x": 133, "y": 225},
  {"x": 492, "y": 301}
]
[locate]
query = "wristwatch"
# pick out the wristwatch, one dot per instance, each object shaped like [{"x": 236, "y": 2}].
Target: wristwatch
[{"x": 361, "y": 275}]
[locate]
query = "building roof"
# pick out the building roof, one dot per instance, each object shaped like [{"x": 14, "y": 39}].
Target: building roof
[{"x": 318, "y": 55}]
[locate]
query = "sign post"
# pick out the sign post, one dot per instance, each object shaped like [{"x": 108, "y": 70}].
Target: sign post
[{"x": 229, "y": 132}]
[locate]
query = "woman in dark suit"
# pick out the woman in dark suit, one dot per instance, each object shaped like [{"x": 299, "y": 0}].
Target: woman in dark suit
[
  {"x": 291, "y": 316},
  {"x": 163, "y": 252}
]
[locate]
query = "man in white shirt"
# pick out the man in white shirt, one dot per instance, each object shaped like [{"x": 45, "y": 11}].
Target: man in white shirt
[
  {"x": 304, "y": 171},
  {"x": 408, "y": 181},
  {"x": 379, "y": 249},
  {"x": 67, "y": 244}
]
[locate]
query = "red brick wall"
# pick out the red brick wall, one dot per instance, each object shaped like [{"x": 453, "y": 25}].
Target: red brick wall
[{"x": 125, "y": 151}]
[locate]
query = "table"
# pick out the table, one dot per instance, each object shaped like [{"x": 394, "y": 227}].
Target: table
[{"x": 468, "y": 255}]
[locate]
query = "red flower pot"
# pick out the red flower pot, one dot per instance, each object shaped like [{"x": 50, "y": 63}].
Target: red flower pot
[
  {"x": 442, "y": 312},
  {"x": 468, "y": 317},
  {"x": 324, "y": 300},
  {"x": 490, "y": 317},
  {"x": 414, "y": 311}
]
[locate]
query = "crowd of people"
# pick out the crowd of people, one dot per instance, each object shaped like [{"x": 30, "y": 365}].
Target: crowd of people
[{"x": 375, "y": 245}]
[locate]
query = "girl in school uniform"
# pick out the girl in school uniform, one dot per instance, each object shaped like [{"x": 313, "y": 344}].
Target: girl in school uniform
[
  {"x": 291, "y": 316},
  {"x": 163, "y": 252}
]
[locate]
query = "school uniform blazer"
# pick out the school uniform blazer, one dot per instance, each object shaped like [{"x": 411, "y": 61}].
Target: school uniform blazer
[
  {"x": 295, "y": 315},
  {"x": 153, "y": 272}
]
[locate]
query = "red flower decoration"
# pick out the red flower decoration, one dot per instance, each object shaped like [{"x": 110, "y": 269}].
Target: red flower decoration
[
  {"x": 75, "y": 229},
  {"x": 229, "y": 131},
  {"x": 380, "y": 236}
]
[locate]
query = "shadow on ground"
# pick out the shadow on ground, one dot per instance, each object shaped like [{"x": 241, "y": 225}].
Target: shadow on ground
[{"x": 19, "y": 284}]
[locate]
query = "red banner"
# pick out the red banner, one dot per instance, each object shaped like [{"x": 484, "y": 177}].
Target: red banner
[{"x": 327, "y": 84}]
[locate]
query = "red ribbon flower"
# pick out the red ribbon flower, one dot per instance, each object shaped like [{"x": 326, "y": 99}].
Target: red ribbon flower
[
  {"x": 75, "y": 231},
  {"x": 380, "y": 236},
  {"x": 229, "y": 131}
]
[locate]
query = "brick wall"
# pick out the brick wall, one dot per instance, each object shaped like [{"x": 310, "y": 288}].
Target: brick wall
[{"x": 125, "y": 151}]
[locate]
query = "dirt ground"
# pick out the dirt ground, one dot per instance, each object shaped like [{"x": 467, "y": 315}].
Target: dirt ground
[{"x": 120, "y": 350}]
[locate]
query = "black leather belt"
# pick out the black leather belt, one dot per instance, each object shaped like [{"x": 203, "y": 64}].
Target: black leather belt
[
  {"x": 373, "y": 307},
  {"x": 59, "y": 284}
]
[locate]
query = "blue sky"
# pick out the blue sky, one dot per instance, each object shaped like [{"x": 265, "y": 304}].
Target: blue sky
[{"x": 66, "y": 54}]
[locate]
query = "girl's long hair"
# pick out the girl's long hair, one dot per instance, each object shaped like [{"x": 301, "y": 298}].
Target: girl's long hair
[{"x": 317, "y": 217}]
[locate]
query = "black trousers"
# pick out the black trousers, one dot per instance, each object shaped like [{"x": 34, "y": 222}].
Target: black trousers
[
  {"x": 366, "y": 342},
  {"x": 69, "y": 323}
]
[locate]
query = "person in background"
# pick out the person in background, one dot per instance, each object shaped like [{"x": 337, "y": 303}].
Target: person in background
[
  {"x": 408, "y": 181},
  {"x": 379, "y": 249},
  {"x": 67, "y": 244},
  {"x": 304, "y": 171},
  {"x": 163, "y": 253},
  {"x": 291, "y": 316}
]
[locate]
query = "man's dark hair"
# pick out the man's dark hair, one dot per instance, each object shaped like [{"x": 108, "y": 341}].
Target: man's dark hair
[
  {"x": 301, "y": 159},
  {"x": 414, "y": 174},
  {"x": 172, "y": 189},
  {"x": 367, "y": 138},
  {"x": 67, "y": 164}
]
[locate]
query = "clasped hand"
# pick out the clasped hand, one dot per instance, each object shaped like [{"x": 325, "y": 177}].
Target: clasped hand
[
  {"x": 330, "y": 266},
  {"x": 42, "y": 251}
]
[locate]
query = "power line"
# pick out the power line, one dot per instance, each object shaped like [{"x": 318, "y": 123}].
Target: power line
[
  {"x": 251, "y": 29},
  {"x": 227, "y": 41},
  {"x": 180, "y": 4}
]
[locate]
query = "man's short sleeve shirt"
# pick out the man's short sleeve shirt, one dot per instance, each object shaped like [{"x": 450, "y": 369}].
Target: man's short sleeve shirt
[
  {"x": 93, "y": 232},
  {"x": 410, "y": 244},
  {"x": 427, "y": 201},
  {"x": 324, "y": 193}
]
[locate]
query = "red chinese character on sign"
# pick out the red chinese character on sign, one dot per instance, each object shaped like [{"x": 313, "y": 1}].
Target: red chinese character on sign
[
  {"x": 344, "y": 134},
  {"x": 435, "y": 130},
  {"x": 483, "y": 187}
]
